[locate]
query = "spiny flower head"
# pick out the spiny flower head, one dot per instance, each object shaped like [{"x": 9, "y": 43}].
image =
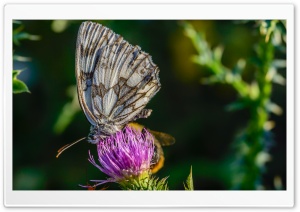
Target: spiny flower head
[{"x": 125, "y": 156}]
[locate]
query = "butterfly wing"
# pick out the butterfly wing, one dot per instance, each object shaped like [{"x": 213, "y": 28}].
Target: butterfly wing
[
  {"x": 115, "y": 79},
  {"x": 137, "y": 82},
  {"x": 91, "y": 40}
]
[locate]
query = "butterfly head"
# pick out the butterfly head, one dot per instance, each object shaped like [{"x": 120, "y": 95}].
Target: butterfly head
[{"x": 102, "y": 131}]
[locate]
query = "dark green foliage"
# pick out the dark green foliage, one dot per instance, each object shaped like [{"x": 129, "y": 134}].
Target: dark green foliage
[
  {"x": 190, "y": 111},
  {"x": 68, "y": 112},
  {"x": 18, "y": 35},
  {"x": 251, "y": 145}
]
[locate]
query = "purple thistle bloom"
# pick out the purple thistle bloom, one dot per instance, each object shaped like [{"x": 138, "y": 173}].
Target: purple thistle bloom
[{"x": 125, "y": 155}]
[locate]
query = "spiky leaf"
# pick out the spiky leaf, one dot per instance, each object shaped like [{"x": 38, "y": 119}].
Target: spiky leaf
[
  {"x": 189, "y": 185},
  {"x": 148, "y": 183}
]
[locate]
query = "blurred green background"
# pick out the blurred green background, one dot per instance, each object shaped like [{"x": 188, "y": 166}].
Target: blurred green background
[{"x": 192, "y": 112}]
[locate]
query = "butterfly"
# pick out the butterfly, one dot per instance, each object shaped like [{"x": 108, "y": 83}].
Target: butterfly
[{"x": 115, "y": 80}]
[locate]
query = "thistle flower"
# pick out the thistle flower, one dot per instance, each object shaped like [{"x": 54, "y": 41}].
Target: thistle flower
[{"x": 126, "y": 158}]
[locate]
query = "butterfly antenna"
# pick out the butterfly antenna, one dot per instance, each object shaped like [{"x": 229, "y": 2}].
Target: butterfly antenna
[{"x": 67, "y": 146}]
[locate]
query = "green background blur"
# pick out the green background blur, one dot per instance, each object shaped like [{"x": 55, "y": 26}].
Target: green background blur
[{"x": 190, "y": 111}]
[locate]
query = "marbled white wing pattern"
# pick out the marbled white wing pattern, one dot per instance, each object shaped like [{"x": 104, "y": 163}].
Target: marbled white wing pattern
[{"x": 115, "y": 80}]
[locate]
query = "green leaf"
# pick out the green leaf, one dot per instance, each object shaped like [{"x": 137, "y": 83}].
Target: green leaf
[
  {"x": 21, "y": 58},
  {"x": 218, "y": 52},
  {"x": 68, "y": 112},
  {"x": 239, "y": 67},
  {"x": 16, "y": 73},
  {"x": 24, "y": 36},
  {"x": 18, "y": 85},
  {"x": 274, "y": 108},
  {"x": 237, "y": 105},
  {"x": 279, "y": 79},
  {"x": 254, "y": 91},
  {"x": 279, "y": 63},
  {"x": 189, "y": 182},
  {"x": 271, "y": 28}
]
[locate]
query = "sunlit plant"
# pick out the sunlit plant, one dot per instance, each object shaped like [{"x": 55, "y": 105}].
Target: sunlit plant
[
  {"x": 126, "y": 157},
  {"x": 18, "y": 35},
  {"x": 252, "y": 145}
]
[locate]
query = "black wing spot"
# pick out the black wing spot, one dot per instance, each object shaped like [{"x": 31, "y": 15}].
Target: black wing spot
[
  {"x": 88, "y": 29},
  {"x": 81, "y": 48},
  {"x": 98, "y": 90},
  {"x": 135, "y": 54},
  {"x": 97, "y": 57},
  {"x": 148, "y": 77},
  {"x": 122, "y": 81},
  {"x": 116, "y": 88}
]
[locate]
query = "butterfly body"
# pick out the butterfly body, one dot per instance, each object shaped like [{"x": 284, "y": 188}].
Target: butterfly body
[
  {"x": 115, "y": 80},
  {"x": 102, "y": 131}
]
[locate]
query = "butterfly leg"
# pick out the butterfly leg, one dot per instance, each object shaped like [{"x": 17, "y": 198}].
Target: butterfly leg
[{"x": 145, "y": 113}]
